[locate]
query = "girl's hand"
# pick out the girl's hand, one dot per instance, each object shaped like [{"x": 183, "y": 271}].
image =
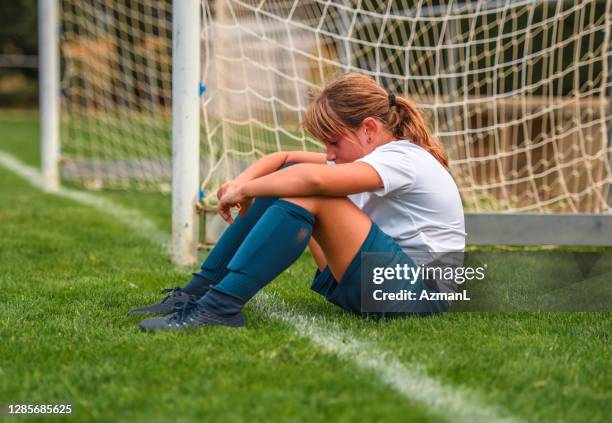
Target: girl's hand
[
  {"x": 226, "y": 185},
  {"x": 230, "y": 195}
]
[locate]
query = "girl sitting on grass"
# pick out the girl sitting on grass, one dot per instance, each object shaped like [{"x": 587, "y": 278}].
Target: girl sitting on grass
[{"x": 381, "y": 186}]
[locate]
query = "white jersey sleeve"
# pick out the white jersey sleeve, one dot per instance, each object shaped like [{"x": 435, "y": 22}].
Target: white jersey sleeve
[{"x": 396, "y": 171}]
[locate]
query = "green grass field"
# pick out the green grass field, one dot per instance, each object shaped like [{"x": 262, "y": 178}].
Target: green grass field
[{"x": 69, "y": 273}]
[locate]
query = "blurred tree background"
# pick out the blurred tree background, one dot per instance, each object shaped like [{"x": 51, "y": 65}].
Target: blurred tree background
[{"x": 18, "y": 53}]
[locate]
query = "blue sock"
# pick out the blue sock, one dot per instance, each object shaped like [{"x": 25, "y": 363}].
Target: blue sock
[
  {"x": 198, "y": 285},
  {"x": 214, "y": 267},
  {"x": 277, "y": 240}
]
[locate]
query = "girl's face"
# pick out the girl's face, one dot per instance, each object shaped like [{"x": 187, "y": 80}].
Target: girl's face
[
  {"x": 349, "y": 147},
  {"x": 355, "y": 144}
]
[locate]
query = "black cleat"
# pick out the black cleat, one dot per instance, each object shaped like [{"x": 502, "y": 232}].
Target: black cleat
[
  {"x": 191, "y": 316},
  {"x": 173, "y": 302}
]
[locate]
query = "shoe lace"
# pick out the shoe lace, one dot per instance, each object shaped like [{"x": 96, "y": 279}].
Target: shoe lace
[{"x": 183, "y": 310}]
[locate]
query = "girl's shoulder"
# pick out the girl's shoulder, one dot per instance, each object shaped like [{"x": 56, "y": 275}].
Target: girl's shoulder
[
  {"x": 405, "y": 153},
  {"x": 401, "y": 147}
]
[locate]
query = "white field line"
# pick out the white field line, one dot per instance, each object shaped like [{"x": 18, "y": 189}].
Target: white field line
[{"x": 451, "y": 403}]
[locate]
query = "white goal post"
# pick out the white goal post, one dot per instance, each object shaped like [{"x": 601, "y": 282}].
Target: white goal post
[
  {"x": 49, "y": 87},
  {"x": 518, "y": 91},
  {"x": 185, "y": 129}
]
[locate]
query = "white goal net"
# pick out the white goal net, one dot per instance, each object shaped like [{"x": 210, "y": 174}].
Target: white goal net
[{"x": 518, "y": 92}]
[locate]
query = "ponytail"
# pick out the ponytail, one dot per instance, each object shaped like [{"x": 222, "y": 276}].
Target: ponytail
[{"x": 405, "y": 121}]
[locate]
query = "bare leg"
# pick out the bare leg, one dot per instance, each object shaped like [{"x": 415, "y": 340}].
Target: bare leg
[
  {"x": 340, "y": 229},
  {"x": 317, "y": 253}
]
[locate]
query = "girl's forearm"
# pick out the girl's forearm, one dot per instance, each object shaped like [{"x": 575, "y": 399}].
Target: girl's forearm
[
  {"x": 293, "y": 181},
  {"x": 264, "y": 166}
]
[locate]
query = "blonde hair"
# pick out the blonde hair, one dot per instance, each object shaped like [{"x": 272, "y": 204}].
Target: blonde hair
[{"x": 346, "y": 102}]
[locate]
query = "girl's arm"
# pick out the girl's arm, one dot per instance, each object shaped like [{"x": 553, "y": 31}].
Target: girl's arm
[
  {"x": 272, "y": 162},
  {"x": 268, "y": 164},
  {"x": 301, "y": 180},
  {"x": 304, "y": 180}
]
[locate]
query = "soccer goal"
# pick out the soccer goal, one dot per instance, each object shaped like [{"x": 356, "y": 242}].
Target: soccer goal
[{"x": 519, "y": 92}]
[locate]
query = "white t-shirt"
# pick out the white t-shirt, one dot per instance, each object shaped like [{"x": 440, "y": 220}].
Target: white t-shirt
[{"x": 419, "y": 205}]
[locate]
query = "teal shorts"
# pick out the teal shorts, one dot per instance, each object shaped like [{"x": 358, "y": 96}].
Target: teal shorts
[{"x": 347, "y": 293}]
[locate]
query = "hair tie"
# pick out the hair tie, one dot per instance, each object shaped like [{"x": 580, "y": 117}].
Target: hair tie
[{"x": 391, "y": 99}]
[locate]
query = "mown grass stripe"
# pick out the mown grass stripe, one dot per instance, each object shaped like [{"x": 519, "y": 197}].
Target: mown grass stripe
[
  {"x": 412, "y": 383},
  {"x": 130, "y": 217}
]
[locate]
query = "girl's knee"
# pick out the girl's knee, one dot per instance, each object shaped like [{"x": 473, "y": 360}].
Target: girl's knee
[
  {"x": 314, "y": 204},
  {"x": 309, "y": 203},
  {"x": 284, "y": 165}
]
